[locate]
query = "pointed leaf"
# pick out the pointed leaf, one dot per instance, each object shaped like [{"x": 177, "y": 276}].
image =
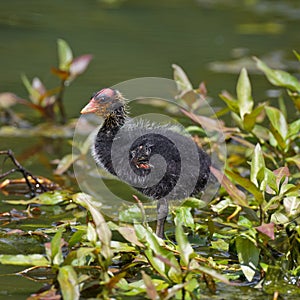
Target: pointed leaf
[
  {"x": 65, "y": 55},
  {"x": 237, "y": 195},
  {"x": 24, "y": 260},
  {"x": 250, "y": 119},
  {"x": 278, "y": 77},
  {"x": 243, "y": 91},
  {"x": 68, "y": 283},
  {"x": 267, "y": 229},
  {"x": 247, "y": 184},
  {"x": 257, "y": 164},
  {"x": 56, "y": 252},
  {"x": 102, "y": 229},
  {"x": 278, "y": 122},
  {"x": 232, "y": 104},
  {"x": 181, "y": 79},
  {"x": 150, "y": 287},
  {"x": 33, "y": 93},
  {"x": 80, "y": 64},
  {"x": 184, "y": 247}
]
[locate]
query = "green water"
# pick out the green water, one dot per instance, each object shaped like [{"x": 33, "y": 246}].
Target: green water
[{"x": 131, "y": 39}]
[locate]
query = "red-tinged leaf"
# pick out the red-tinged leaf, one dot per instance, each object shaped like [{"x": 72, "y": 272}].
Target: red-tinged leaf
[
  {"x": 150, "y": 287},
  {"x": 129, "y": 234},
  {"x": 207, "y": 123},
  {"x": 63, "y": 75},
  {"x": 237, "y": 195},
  {"x": 282, "y": 173},
  {"x": 80, "y": 64},
  {"x": 267, "y": 229},
  {"x": 51, "y": 294}
]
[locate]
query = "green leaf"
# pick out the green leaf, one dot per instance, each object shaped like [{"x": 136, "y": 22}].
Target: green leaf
[
  {"x": 243, "y": 90},
  {"x": 278, "y": 77},
  {"x": 65, "y": 55},
  {"x": 248, "y": 254},
  {"x": 47, "y": 198},
  {"x": 296, "y": 54},
  {"x": 181, "y": 79},
  {"x": 184, "y": 216},
  {"x": 257, "y": 164},
  {"x": 247, "y": 184},
  {"x": 232, "y": 104},
  {"x": 162, "y": 260},
  {"x": 56, "y": 252},
  {"x": 24, "y": 260},
  {"x": 68, "y": 283},
  {"x": 33, "y": 93},
  {"x": 250, "y": 119},
  {"x": 294, "y": 129},
  {"x": 237, "y": 195},
  {"x": 279, "y": 126},
  {"x": 102, "y": 229},
  {"x": 184, "y": 247}
]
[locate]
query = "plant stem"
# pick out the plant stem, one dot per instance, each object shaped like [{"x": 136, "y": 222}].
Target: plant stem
[{"x": 59, "y": 101}]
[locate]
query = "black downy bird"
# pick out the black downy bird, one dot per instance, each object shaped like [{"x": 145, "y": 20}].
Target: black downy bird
[{"x": 159, "y": 161}]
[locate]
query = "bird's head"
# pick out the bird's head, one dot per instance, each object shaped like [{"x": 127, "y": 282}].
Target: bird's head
[{"x": 104, "y": 102}]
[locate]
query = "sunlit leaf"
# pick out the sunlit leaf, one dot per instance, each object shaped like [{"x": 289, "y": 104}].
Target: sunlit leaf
[
  {"x": 47, "y": 198},
  {"x": 279, "y": 126},
  {"x": 278, "y": 77},
  {"x": 24, "y": 260},
  {"x": 184, "y": 216},
  {"x": 292, "y": 205},
  {"x": 162, "y": 260},
  {"x": 102, "y": 229},
  {"x": 244, "y": 97},
  {"x": 248, "y": 255},
  {"x": 65, "y": 55},
  {"x": 257, "y": 166},
  {"x": 68, "y": 283},
  {"x": 33, "y": 93},
  {"x": 184, "y": 247},
  {"x": 181, "y": 79},
  {"x": 294, "y": 130},
  {"x": 56, "y": 252}
]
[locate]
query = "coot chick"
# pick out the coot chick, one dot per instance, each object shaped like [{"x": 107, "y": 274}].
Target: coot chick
[{"x": 157, "y": 160}]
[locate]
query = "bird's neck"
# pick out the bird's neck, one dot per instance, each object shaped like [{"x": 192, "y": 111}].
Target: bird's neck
[{"x": 114, "y": 121}]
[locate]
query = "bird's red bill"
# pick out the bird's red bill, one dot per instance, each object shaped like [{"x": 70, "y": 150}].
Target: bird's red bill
[{"x": 91, "y": 107}]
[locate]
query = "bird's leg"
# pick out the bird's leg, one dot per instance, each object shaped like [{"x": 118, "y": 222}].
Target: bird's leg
[{"x": 162, "y": 213}]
